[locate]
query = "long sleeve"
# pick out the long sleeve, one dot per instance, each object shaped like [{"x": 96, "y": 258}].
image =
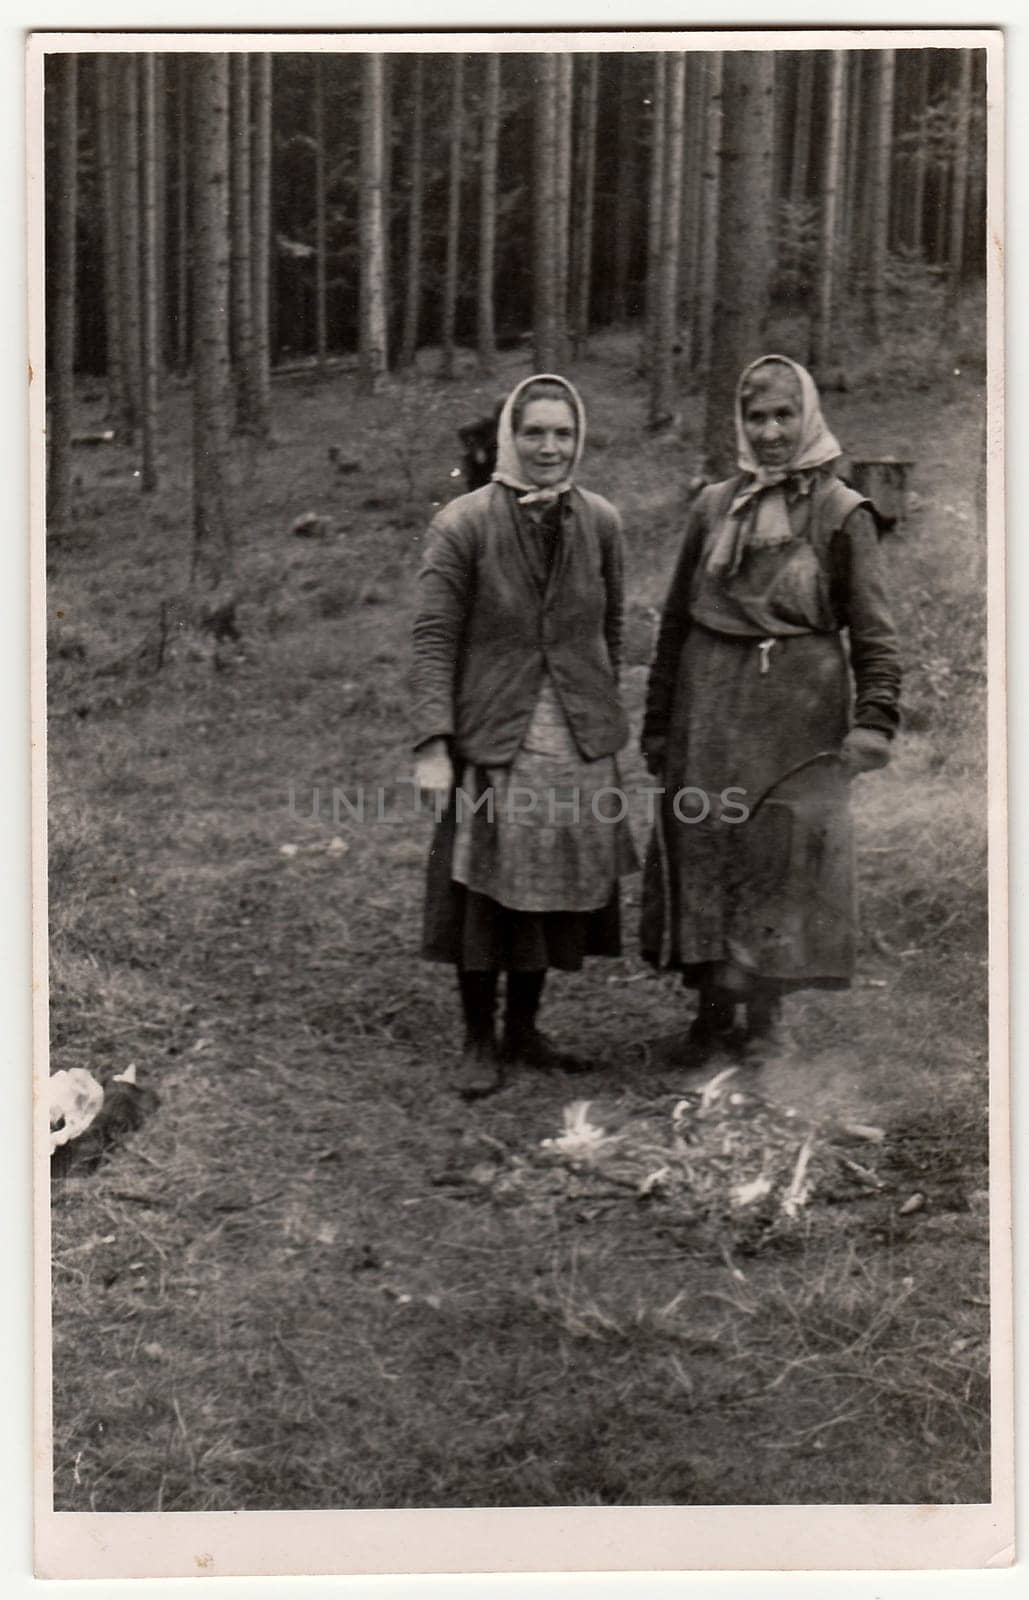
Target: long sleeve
[
  {"x": 862, "y": 603},
  {"x": 675, "y": 622},
  {"x": 444, "y": 586}
]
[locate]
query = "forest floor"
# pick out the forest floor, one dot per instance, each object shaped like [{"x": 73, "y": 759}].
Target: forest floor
[{"x": 313, "y": 1278}]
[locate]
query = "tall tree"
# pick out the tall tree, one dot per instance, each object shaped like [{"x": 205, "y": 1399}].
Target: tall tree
[
  {"x": 662, "y": 372},
  {"x": 213, "y": 553},
  {"x": 107, "y": 146},
  {"x": 63, "y": 83},
  {"x": 149, "y": 282},
  {"x": 707, "y": 265},
  {"x": 563, "y": 198},
  {"x": 625, "y": 187},
  {"x": 959, "y": 189},
  {"x": 919, "y": 158},
  {"x": 831, "y": 174},
  {"x": 881, "y": 152},
  {"x": 853, "y": 184},
  {"x": 486, "y": 330},
  {"x": 744, "y": 243},
  {"x": 372, "y": 227},
  {"x": 655, "y": 203},
  {"x": 259, "y": 392},
  {"x": 801, "y": 148},
  {"x": 692, "y": 187},
  {"x": 546, "y": 339},
  {"x": 455, "y": 146},
  {"x": 242, "y": 245},
  {"x": 413, "y": 281},
  {"x": 129, "y": 206},
  {"x": 585, "y": 183},
  {"x": 318, "y": 139},
  {"x": 182, "y": 127}
]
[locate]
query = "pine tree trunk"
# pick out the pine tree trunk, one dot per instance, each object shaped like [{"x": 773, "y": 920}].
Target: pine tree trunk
[
  {"x": 707, "y": 268},
  {"x": 128, "y": 195},
  {"x": 563, "y": 200},
  {"x": 662, "y": 376},
  {"x": 585, "y": 184},
  {"x": 831, "y": 175},
  {"x": 242, "y": 245},
  {"x": 373, "y": 351},
  {"x": 182, "y": 342},
  {"x": 149, "y": 293},
  {"x": 855, "y": 180},
  {"x": 744, "y": 253},
  {"x": 545, "y": 327},
  {"x": 413, "y": 291},
  {"x": 958, "y": 193},
  {"x": 318, "y": 137},
  {"x": 879, "y": 218},
  {"x": 919, "y": 158},
  {"x": 692, "y": 187},
  {"x": 655, "y": 203},
  {"x": 801, "y": 150},
  {"x": 107, "y": 140},
  {"x": 161, "y": 95},
  {"x": 261, "y": 241},
  {"x": 62, "y": 83},
  {"x": 625, "y": 189},
  {"x": 213, "y": 553},
  {"x": 455, "y": 143},
  {"x": 486, "y": 330}
]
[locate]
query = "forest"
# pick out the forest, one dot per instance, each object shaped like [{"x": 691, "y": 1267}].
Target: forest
[{"x": 298, "y": 1273}]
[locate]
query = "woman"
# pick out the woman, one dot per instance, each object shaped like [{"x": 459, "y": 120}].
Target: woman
[
  {"x": 754, "y": 725},
  {"x": 516, "y": 646}
]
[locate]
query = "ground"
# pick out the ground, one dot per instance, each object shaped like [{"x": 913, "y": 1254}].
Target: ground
[{"x": 301, "y": 1282}]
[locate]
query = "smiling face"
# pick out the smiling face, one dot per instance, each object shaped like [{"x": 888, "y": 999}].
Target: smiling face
[
  {"x": 773, "y": 415},
  {"x": 545, "y": 441}
]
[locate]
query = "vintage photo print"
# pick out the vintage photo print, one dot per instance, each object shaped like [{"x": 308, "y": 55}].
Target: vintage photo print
[{"x": 519, "y": 855}]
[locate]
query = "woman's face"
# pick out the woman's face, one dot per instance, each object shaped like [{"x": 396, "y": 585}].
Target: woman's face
[
  {"x": 772, "y": 419},
  {"x": 545, "y": 441}
]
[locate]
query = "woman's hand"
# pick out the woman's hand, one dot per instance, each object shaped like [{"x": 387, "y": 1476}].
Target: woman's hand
[
  {"x": 434, "y": 770},
  {"x": 865, "y": 750},
  {"x": 654, "y": 751}
]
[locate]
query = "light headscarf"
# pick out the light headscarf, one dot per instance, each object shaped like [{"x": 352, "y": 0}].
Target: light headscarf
[
  {"x": 758, "y": 515},
  {"x": 509, "y": 467}
]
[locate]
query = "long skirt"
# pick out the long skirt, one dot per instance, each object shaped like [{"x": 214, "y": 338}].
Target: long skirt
[{"x": 750, "y": 871}]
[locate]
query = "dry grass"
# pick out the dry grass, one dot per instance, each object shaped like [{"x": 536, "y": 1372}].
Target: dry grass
[{"x": 295, "y": 1286}]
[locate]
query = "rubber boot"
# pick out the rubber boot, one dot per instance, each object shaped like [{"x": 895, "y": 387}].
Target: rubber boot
[{"x": 479, "y": 1072}]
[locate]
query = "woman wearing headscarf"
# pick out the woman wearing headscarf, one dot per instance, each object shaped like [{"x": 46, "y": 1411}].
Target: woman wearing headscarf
[
  {"x": 775, "y": 681},
  {"x": 517, "y": 645}
]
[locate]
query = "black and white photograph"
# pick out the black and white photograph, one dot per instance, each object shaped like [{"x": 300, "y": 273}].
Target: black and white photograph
[{"x": 520, "y": 916}]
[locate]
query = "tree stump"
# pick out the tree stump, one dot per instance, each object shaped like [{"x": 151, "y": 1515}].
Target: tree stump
[{"x": 884, "y": 481}]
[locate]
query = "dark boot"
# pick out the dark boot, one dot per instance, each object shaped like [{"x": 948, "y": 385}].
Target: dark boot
[
  {"x": 478, "y": 1073},
  {"x": 711, "y": 1030},
  {"x": 766, "y": 1036},
  {"x": 523, "y": 1041}
]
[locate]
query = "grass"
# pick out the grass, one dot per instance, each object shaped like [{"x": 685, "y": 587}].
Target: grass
[{"x": 297, "y": 1286}]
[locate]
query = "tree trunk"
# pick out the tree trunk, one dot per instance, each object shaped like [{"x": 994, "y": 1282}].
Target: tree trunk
[
  {"x": 692, "y": 188},
  {"x": 625, "y": 189},
  {"x": 261, "y": 241},
  {"x": 707, "y": 267},
  {"x": 563, "y": 199},
  {"x": 373, "y": 351},
  {"x": 655, "y": 203},
  {"x": 959, "y": 192},
  {"x": 455, "y": 143},
  {"x": 62, "y": 82},
  {"x": 212, "y": 526},
  {"x": 150, "y": 328},
  {"x": 662, "y": 377},
  {"x": 831, "y": 173},
  {"x": 106, "y": 146},
  {"x": 413, "y": 294},
  {"x": 242, "y": 245},
  {"x": 128, "y": 89},
  {"x": 182, "y": 216},
  {"x": 854, "y": 183},
  {"x": 919, "y": 158},
  {"x": 585, "y": 184},
  {"x": 545, "y": 329},
  {"x": 161, "y": 70},
  {"x": 801, "y": 150},
  {"x": 879, "y": 218},
  {"x": 744, "y": 244},
  {"x": 486, "y": 330},
  {"x": 318, "y": 136}
]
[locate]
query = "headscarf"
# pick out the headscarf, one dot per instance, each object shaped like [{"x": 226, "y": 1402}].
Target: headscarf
[
  {"x": 509, "y": 467},
  {"x": 758, "y": 516}
]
